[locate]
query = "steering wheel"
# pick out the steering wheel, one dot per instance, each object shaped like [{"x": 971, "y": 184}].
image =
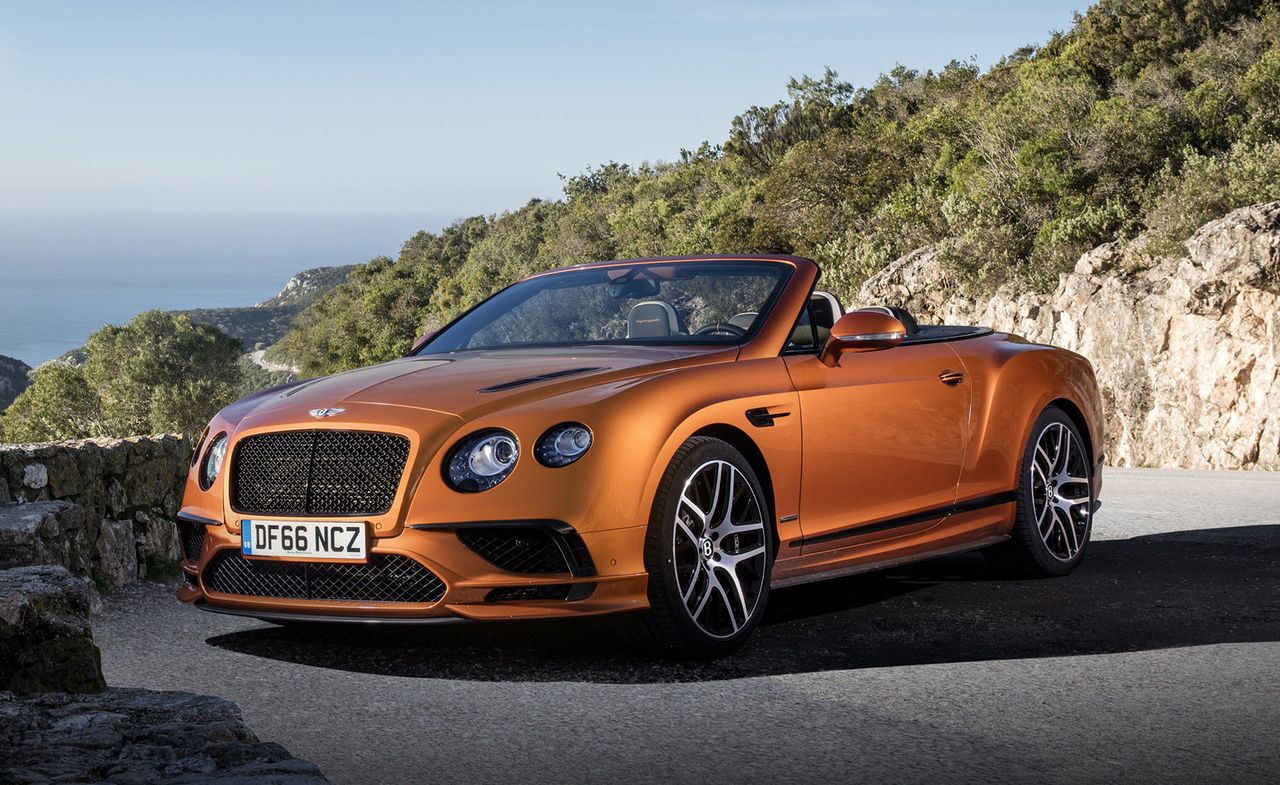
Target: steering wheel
[{"x": 721, "y": 328}]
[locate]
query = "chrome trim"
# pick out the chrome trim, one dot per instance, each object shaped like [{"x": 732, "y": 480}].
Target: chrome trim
[{"x": 870, "y": 337}]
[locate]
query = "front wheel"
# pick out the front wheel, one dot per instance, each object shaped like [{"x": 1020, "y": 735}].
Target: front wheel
[
  {"x": 708, "y": 552},
  {"x": 1055, "y": 502}
]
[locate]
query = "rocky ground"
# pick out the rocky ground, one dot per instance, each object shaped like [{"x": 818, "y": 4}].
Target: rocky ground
[{"x": 138, "y": 736}]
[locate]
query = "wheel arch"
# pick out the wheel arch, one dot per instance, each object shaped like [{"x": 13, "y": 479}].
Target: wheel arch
[
  {"x": 739, "y": 440},
  {"x": 1077, "y": 417}
]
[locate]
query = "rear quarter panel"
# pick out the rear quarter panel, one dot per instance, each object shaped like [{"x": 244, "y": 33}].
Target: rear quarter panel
[{"x": 1013, "y": 381}]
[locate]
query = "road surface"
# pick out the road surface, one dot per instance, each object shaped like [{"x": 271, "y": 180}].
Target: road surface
[{"x": 1156, "y": 662}]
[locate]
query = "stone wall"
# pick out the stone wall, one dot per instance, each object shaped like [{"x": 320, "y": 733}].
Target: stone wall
[
  {"x": 1186, "y": 348},
  {"x": 102, "y": 508}
]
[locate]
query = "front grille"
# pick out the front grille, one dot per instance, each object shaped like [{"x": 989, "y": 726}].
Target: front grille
[
  {"x": 387, "y": 577},
  {"x": 517, "y": 549},
  {"x": 317, "y": 472},
  {"x": 191, "y": 536}
]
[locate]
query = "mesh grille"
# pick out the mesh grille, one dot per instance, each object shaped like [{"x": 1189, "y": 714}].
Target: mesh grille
[
  {"x": 317, "y": 472},
  {"x": 191, "y": 535},
  {"x": 387, "y": 577},
  {"x": 523, "y": 550}
]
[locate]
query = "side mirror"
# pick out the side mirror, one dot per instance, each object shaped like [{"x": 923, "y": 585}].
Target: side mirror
[
  {"x": 861, "y": 331},
  {"x": 421, "y": 342}
]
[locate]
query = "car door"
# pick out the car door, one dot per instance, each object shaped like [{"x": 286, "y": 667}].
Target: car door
[{"x": 883, "y": 437}]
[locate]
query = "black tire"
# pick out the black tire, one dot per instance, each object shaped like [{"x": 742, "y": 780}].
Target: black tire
[
  {"x": 1030, "y": 553},
  {"x": 670, "y": 626}
]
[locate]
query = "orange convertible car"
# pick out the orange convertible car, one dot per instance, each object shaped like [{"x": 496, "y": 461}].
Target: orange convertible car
[{"x": 670, "y": 437}]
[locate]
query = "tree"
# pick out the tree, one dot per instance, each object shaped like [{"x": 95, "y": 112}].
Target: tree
[
  {"x": 58, "y": 405},
  {"x": 159, "y": 373}
]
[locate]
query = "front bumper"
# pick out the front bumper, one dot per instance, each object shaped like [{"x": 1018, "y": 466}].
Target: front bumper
[{"x": 474, "y": 587}]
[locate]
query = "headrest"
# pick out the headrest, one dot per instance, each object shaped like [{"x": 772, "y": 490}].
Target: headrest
[
  {"x": 652, "y": 319},
  {"x": 744, "y": 320},
  {"x": 825, "y": 309},
  {"x": 908, "y": 321}
]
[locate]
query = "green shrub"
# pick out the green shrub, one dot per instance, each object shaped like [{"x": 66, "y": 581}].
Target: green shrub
[{"x": 159, "y": 373}]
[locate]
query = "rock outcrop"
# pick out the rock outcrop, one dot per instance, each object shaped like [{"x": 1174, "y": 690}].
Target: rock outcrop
[
  {"x": 45, "y": 640},
  {"x": 139, "y": 736},
  {"x": 102, "y": 508},
  {"x": 1186, "y": 348},
  {"x": 13, "y": 379}
]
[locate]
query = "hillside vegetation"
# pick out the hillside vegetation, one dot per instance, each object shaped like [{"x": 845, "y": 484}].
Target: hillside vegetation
[
  {"x": 1148, "y": 116},
  {"x": 159, "y": 373}
]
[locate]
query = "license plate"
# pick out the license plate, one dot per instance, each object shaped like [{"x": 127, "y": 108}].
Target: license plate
[{"x": 313, "y": 539}]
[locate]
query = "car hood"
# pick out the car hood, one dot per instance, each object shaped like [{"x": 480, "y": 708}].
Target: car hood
[{"x": 469, "y": 384}]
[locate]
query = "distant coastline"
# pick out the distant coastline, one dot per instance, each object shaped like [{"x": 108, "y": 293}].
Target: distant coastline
[{"x": 64, "y": 276}]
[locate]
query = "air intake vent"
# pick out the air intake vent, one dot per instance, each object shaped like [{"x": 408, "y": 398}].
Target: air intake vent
[
  {"x": 387, "y": 577},
  {"x": 317, "y": 472},
  {"x": 191, "y": 536},
  {"x": 523, "y": 550}
]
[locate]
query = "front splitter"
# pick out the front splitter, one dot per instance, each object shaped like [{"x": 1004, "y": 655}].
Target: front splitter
[{"x": 329, "y": 618}]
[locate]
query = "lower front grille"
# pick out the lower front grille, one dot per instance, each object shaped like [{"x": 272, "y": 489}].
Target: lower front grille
[
  {"x": 387, "y": 577},
  {"x": 191, "y": 537}
]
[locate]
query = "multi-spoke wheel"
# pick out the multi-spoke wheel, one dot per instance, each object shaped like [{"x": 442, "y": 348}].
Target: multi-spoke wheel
[
  {"x": 1055, "y": 501},
  {"x": 709, "y": 550}
]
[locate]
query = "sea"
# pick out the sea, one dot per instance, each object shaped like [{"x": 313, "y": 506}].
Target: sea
[{"x": 62, "y": 276}]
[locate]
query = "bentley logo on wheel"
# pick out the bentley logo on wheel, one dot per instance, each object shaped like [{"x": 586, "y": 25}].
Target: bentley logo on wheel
[{"x": 321, "y": 413}]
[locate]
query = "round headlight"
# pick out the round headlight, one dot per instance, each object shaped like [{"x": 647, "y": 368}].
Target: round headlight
[
  {"x": 482, "y": 460},
  {"x": 563, "y": 444},
  {"x": 213, "y": 461}
]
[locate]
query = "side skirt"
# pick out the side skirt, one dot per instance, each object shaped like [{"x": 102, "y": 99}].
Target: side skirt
[{"x": 875, "y": 566}]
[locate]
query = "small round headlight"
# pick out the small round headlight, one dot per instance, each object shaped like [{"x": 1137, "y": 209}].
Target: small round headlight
[
  {"x": 213, "y": 461},
  {"x": 563, "y": 444},
  {"x": 482, "y": 460}
]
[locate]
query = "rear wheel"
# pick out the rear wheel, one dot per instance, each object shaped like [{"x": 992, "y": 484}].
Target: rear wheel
[
  {"x": 708, "y": 552},
  {"x": 1055, "y": 502}
]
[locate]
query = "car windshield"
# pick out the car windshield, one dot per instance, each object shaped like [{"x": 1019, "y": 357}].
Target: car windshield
[{"x": 671, "y": 303}]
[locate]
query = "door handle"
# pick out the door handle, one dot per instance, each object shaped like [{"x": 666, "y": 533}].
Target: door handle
[{"x": 951, "y": 378}]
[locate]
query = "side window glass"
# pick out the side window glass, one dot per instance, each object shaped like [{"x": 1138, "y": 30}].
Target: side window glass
[{"x": 803, "y": 337}]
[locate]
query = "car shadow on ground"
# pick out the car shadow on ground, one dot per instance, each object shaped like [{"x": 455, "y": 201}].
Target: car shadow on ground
[{"x": 1161, "y": 591}]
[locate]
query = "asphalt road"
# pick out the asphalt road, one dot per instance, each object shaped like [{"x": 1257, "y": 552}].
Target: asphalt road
[{"x": 1156, "y": 662}]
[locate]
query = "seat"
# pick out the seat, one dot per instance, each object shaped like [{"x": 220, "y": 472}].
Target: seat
[
  {"x": 744, "y": 320},
  {"x": 908, "y": 321},
  {"x": 825, "y": 309},
  {"x": 815, "y": 323},
  {"x": 652, "y": 319}
]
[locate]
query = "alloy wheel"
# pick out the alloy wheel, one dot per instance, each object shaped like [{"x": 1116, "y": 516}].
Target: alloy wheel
[
  {"x": 1061, "y": 500},
  {"x": 719, "y": 548}
]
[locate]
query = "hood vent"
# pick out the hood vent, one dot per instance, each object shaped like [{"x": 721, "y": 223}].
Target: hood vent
[{"x": 542, "y": 377}]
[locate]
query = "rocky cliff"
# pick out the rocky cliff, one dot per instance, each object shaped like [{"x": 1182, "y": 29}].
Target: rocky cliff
[
  {"x": 1186, "y": 347},
  {"x": 263, "y": 324},
  {"x": 13, "y": 379}
]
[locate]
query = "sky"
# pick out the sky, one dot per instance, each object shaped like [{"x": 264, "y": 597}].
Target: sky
[{"x": 458, "y": 108}]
